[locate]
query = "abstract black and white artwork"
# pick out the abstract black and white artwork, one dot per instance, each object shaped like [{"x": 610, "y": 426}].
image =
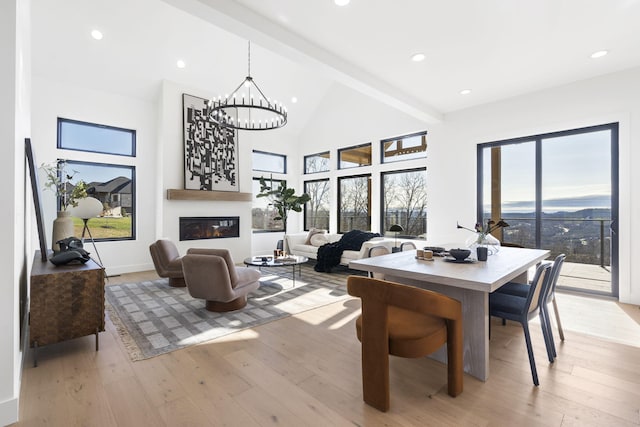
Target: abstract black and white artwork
[{"x": 210, "y": 151}]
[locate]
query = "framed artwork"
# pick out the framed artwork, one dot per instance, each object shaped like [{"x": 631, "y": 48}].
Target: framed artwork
[{"x": 210, "y": 151}]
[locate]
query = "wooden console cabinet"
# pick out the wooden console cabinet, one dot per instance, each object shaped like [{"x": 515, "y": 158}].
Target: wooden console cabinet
[{"x": 66, "y": 302}]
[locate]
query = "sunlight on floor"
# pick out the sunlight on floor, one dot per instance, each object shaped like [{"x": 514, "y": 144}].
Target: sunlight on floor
[{"x": 602, "y": 318}]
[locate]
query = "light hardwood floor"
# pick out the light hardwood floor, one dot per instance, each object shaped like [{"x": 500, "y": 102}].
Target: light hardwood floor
[{"x": 305, "y": 370}]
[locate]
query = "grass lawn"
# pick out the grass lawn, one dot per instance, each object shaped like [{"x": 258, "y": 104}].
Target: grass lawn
[{"x": 104, "y": 228}]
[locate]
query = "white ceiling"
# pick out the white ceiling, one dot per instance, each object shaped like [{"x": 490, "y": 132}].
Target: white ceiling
[{"x": 496, "y": 48}]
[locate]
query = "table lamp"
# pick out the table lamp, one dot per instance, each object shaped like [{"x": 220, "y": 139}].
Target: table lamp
[
  {"x": 88, "y": 208},
  {"x": 396, "y": 228}
]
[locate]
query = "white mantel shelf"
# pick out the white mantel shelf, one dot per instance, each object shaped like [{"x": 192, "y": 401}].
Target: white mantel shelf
[{"x": 229, "y": 196}]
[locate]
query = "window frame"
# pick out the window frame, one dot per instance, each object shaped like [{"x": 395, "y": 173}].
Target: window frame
[
  {"x": 304, "y": 162},
  {"x": 268, "y": 153},
  {"x": 339, "y": 199},
  {"x": 401, "y": 137},
  {"x": 276, "y": 181},
  {"x": 341, "y": 150},
  {"x": 304, "y": 214},
  {"x": 59, "y": 137},
  {"x": 134, "y": 211},
  {"x": 383, "y": 230}
]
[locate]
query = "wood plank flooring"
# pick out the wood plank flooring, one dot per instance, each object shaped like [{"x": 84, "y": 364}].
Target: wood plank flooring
[{"x": 305, "y": 371}]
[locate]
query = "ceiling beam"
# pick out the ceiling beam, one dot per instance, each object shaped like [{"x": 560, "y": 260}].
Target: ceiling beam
[{"x": 244, "y": 22}]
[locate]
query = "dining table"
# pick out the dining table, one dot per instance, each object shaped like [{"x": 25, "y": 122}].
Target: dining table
[{"x": 469, "y": 281}]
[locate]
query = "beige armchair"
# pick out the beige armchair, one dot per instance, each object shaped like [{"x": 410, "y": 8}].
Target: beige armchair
[
  {"x": 210, "y": 274},
  {"x": 166, "y": 260}
]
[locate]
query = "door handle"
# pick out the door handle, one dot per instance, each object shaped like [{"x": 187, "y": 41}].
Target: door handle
[{"x": 613, "y": 227}]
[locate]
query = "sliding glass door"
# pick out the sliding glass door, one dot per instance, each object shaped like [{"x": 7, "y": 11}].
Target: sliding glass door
[{"x": 559, "y": 192}]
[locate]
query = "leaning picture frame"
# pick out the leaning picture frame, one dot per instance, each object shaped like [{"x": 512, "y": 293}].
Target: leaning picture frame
[
  {"x": 210, "y": 150},
  {"x": 35, "y": 190}
]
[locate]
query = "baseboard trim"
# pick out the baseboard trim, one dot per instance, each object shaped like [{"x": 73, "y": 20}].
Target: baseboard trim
[{"x": 9, "y": 412}]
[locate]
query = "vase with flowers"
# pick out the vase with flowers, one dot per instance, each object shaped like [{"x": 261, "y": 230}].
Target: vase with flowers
[
  {"x": 58, "y": 180},
  {"x": 482, "y": 235}
]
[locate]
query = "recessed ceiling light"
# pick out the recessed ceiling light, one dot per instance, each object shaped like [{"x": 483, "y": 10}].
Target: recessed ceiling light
[
  {"x": 465, "y": 91},
  {"x": 599, "y": 54},
  {"x": 180, "y": 64},
  {"x": 418, "y": 57},
  {"x": 294, "y": 100},
  {"x": 96, "y": 34},
  {"x": 341, "y": 2}
]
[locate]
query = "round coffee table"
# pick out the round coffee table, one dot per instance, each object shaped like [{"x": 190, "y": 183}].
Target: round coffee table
[{"x": 261, "y": 261}]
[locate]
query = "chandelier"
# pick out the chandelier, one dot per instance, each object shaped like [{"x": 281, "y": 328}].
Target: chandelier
[{"x": 247, "y": 107}]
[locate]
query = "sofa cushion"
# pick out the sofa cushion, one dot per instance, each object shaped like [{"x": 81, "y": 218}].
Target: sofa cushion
[
  {"x": 313, "y": 232},
  {"x": 319, "y": 239}
]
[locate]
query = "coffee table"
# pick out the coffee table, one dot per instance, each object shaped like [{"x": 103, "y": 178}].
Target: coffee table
[{"x": 261, "y": 261}]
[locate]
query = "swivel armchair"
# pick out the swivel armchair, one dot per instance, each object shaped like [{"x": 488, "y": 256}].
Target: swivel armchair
[
  {"x": 166, "y": 260},
  {"x": 210, "y": 274}
]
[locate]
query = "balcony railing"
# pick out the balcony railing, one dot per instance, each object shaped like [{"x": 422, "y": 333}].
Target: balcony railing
[{"x": 583, "y": 240}]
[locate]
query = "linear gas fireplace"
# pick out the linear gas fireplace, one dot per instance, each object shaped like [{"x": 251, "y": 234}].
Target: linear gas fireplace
[{"x": 213, "y": 227}]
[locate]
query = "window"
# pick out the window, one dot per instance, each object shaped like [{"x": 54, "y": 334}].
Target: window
[
  {"x": 262, "y": 212},
  {"x": 317, "y": 162},
  {"x": 352, "y": 157},
  {"x": 404, "y": 200},
  {"x": 91, "y": 137},
  {"x": 354, "y": 203},
  {"x": 269, "y": 162},
  {"x": 406, "y": 147},
  {"x": 558, "y": 191},
  {"x": 316, "y": 210},
  {"x": 114, "y": 186}
]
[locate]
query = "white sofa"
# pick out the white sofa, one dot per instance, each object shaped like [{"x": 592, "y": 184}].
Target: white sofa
[{"x": 296, "y": 246}]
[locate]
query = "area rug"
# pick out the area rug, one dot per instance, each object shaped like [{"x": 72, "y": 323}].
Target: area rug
[{"x": 153, "y": 318}]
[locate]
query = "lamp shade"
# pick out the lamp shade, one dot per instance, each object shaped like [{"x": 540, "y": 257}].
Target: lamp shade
[
  {"x": 396, "y": 228},
  {"x": 88, "y": 207}
]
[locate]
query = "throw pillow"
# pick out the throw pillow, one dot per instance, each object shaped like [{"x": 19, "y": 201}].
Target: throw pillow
[
  {"x": 319, "y": 239},
  {"x": 311, "y": 233}
]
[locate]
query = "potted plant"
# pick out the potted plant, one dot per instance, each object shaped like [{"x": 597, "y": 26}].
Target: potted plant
[
  {"x": 283, "y": 199},
  {"x": 58, "y": 180}
]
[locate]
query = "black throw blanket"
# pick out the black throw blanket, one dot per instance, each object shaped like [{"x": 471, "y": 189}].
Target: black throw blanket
[{"x": 329, "y": 254}]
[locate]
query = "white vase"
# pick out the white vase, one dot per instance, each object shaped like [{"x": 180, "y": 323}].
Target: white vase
[{"x": 62, "y": 228}]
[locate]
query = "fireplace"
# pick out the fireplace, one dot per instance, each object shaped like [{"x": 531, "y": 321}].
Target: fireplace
[{"x": 213, "y": 227}]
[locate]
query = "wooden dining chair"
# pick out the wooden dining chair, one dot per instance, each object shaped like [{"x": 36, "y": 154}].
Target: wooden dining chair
[
  {"x": 404, "y": 321},
  {"x": 521, "y": 310},
  {"x": 522, "y": 289}
]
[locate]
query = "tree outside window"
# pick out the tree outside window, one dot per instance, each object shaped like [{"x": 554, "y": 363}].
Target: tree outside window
[
  {"x": 316, "y": 210},
  {"x": 405, "y": 201},
  {"x": 354, "y": 203}
]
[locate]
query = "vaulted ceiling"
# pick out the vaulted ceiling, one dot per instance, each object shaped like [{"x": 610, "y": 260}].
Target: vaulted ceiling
[{"x": 497, "y": 48}]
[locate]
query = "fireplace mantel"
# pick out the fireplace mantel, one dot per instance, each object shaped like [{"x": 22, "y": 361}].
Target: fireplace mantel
[{"x": 231, "y": 196}]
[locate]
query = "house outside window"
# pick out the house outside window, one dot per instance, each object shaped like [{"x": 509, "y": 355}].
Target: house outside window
[
  {"x": 408, "y": 147},
  {"x": 353, "y": 157}
]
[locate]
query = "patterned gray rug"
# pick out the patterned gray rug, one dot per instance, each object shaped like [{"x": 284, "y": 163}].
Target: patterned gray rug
[{"x": 153, "y": 318}]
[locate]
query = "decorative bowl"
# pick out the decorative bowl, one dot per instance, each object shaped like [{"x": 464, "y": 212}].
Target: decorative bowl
[{"x": 459, "y": 254}]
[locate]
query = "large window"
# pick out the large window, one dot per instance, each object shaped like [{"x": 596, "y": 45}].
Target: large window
[
  {"x": 558, "y": 191},
  {"x": 91, "y": 137},
  {"x": 114, "y": 186},
  {"x": 262, "y": 212},
  {"x": 317, "y": 162},
  {"x": 316, "y": 210},
  {"x": 269, "y": 162},
  {"x": 354, "y": 203},
  {"x": 406, "y": 147},
  {"x": 404, "y": 201},
  {"x": 353, "y": 157}
]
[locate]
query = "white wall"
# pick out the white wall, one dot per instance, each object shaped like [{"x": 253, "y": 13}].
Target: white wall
[
  {"x": 15, "y": 87},
  {"x": 346, "y": 117},
  {"x": 613, "y": 98},
  {"x": 56, "y": 99}
]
